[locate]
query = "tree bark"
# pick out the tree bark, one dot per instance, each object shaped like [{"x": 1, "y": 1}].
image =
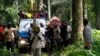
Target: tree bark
[
  {"x": 49, "y": 10},
  {"x": 97, "y": 13},
  {"x": 77, "y": 19},
  {"x": 98, "y": 18},
  {"x": 70, "y": 10}
]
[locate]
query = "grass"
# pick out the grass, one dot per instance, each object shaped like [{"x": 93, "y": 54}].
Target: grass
[{"x": 4, "y": 52}]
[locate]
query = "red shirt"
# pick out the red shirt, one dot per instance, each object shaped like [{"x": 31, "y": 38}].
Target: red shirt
[{"x": 1, "y": 36}]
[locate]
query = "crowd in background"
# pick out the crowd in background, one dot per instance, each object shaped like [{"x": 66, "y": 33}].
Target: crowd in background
[{"x": 46, "y": 39}]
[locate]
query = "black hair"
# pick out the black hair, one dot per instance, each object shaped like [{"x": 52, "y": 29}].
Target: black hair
[
  {"x": 55, "y": 26},
  {"x": 9, "y": 25},
  {"x": 85, "y": 22},
  {"x": 41, "y": 25},
  {"x": 31, "y": 25}
]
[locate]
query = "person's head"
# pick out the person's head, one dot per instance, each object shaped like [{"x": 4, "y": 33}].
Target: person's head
[
  {"x": 22, "y": 14},
  {"x": 9, "y": 25},
  {"x": 42, "y": 14},
  {"x": 31, "y": 25},
  {"x": 55, "y": 26},
  {"x": 41, "y": 25},
  {"x": 85, "y": 22}
]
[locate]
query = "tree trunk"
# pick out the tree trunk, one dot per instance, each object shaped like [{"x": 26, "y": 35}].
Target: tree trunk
[
  {"x": 49, "y": 10},
  {"x": 70, "y": 10},
  {"x": 97, "y": 13},
  {"x": 98, "y": 19},
  {"x": 77, "y": 19}
]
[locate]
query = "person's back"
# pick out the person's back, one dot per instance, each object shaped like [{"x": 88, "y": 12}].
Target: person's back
[
  {"x": 50, "y": 33},
  {"x": 22, "y": 15},
  {"x": 9, "y": 34},
  {"x": 87, "y": 35}
]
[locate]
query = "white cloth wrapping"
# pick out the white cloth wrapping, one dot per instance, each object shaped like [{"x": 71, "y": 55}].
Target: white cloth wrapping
[{"x": 39, "y": 43}]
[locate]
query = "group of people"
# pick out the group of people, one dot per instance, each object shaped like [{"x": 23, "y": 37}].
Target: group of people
[
  {"x": 45, "y": 39},
  {"x": 7, "y": 36},
  {"x": 50, "y": 37},
  {"x": 59, "y": 37}
]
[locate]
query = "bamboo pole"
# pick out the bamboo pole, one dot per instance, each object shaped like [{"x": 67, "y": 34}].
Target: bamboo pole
[
  {"x": 34, "y": 18},
  {"x": 49, "y": 10}
]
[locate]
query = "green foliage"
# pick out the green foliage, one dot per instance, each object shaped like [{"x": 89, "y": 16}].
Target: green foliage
[
  {"x": 90, "y": 13},
  {"x": 96, "y": 5},
  {"x": 61, "y": 8},
  {"x": 7, "y": 3},
  {"x": 12, "y": 7},
  {"x": 91, "y": 17},
  {"x": 4, "y": 52},
  {"x": 96, "y": 43},
  {"x": 24, "y": 4},
  {"x": 96, "y": 10},
  {"x": 5, "y": 17}
]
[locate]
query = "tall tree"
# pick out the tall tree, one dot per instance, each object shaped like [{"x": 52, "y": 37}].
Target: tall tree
[
  {"x": 96, "y": 4},
  {"x": 77, "y": 19}
]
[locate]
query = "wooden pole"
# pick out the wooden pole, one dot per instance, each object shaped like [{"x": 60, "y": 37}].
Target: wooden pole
[
  {"x": 49, "y": 10},
  {"x": 34, "y": 18}
]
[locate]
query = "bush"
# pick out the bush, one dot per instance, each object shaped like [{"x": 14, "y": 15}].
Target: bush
[{"x": 4, "y": 52}]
